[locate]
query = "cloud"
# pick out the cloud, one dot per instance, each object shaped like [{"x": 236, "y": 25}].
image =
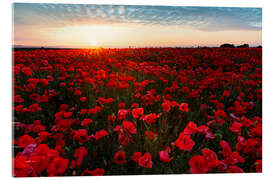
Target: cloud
[{"x": 199, "y": 18}]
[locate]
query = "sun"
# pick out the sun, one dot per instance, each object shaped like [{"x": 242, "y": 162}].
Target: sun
[{"x": 94, "y": 43}]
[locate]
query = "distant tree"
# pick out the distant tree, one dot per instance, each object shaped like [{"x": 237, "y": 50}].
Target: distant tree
[
  {"x": 259, "y": 46},
  {"x": 243, "y": 46},
  {"x": 227, "y": 45}
]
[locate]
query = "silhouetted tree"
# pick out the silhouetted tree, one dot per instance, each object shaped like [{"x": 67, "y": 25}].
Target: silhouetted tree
[
  {"x": 243, "y": 46},
  {"x": 227, "y": 45}
]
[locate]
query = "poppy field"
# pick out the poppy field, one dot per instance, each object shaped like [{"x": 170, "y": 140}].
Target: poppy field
[{"x": 90, "y": 112}]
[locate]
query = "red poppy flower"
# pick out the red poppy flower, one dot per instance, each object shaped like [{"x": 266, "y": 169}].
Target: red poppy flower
[
  {"x": 164, "y": 156},
  {"x": 137, "y": 112},
  {"x": 42, "y": 149},
  {"x": 72, "y": 164},
  {"x": 103, "y": 101},
  {"x": 18, "y": 99},
  {"x": 112, "y": 118},
  {"x": 184, "y": 142},
  {"x": 21, "y": 168},
  {"x": 34, "y": 108},
  {"x": 83, "y": 99},
  {"x": 77, "y": 92},
  {"x": 135, "y": 105},
  {"x": 123, "y": 139},
  {"x": 203, "y": 129},
  {"x": 57, "y": 167},
  {"x": 122, "y": 105},
  {"x": 64, "y": 124},
  {"x": 94, "y": 110},
  {"x": 191, "y": 128},
  {"x": 86, "y": 121},
  {"x": 44, "y": 82},
  {"x": 100, "y": 134},
  {"x": 38, "y": 163},
  {"x": 226, "y": 93},
  {"x": 136, "y": 156},
  {"x": 198, "y": 165},
  {"x": 67, "y": 114},
  {"x": 95, "y": 172},
  {"x": 83, "y": 111},
  {"x": 150, "y": 118},
  {"x": 120, "y": 157},
  {"x": 234, "y": 158},
  {"x": 226, "y": 149},
  {"x": 236, "y": 128},
  {"x": 122, "y": 114},
  {"x": 63, "y": 107},
  {"x": 27, "y": 71},
  {"x": 166, "y": 106},
  {"x": 220, "y": 114},
  {"x": 25, "y": 140},
  {"x": 145, "y": 161},
  {"x": 130, "y": 127},
  {"x": 79, "y": 154},
  {"x": 184, "y": 107},
  {"x": 52, "y": 153},
  {"x": 150, "y": 135},
  {"x": 42, "y": 136},
  {"x": 210, "y": 158},
  {"x": 81, "y": 136}
]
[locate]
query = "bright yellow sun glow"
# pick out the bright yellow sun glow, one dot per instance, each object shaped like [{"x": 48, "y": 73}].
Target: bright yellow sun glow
[
  {"x": 134, "y": 35},
  {"x": 94, "y": 43}
]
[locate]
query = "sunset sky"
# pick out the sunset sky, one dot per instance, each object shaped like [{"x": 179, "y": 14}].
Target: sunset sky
[{"x": 86, "y": 26}]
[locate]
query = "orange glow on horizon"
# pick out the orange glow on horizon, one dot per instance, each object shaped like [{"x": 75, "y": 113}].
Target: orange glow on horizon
[{"x": 134, "y": 35}]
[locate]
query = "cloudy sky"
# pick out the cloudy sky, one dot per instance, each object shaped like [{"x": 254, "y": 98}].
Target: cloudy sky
[{"x": 72, "y": 25}]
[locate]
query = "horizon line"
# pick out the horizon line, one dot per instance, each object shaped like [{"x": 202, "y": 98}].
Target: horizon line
[{"x": 118, "y": 47}]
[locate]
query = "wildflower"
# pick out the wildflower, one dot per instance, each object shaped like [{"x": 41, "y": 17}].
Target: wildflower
[
  {"x": 86, "y": 121},
  {"x": 120, "y": 157},
  {"x": 184, "y": 142},
  {"x": 57, "y": 166},
  {"x": 81, "y": 136},
  {"x": 210, "y": 158},
  {"x": 184, "y": 107},
  {"x": 100, "y": 134},
  {"x": 191, "y": 128},
  {"x": 79, "y": 154},
  {"x": 25, "y": 140},
  {"x": 136, "y": 156},
  {"x": 145, "y": 161},
  {"x": 164, "y": 156},
  {"x": 198, "y": 165},
  {"x": 137, "y": 112},
  {"x": 130, "y": 127}
]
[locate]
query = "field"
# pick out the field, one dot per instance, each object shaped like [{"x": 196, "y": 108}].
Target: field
[{"x": 137, "y": 111}]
